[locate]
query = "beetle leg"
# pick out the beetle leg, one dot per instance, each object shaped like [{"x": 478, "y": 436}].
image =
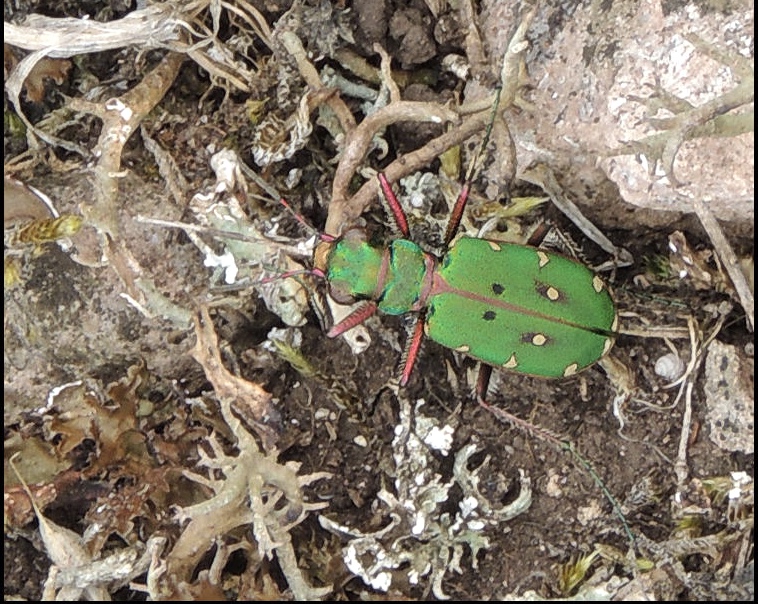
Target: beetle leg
[
  {"x": 460, "y": 203},
  {"x": 483, "y": 382},
  {"x": 539, "y": 234},
  {"x": 398, "y": 215},
  {"x": 457, "y": 213},
  {"x": 411, "y": 351},
  {"x": 358, "y": 316}
]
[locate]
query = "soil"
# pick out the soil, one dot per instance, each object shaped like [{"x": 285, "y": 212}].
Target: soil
[{"x": 621, "y": 467}]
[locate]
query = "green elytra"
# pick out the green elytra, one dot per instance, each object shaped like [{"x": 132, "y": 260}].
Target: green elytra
[
  {"x": 521, "y": 308},
  {"x": 512, "y": 306}
]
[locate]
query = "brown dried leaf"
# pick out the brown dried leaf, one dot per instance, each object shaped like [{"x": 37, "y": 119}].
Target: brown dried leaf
[
  {"x": 63, "y": 546},
  {"x": 228, "y": 386},
  {"x": 74, "y": 422},
  {"x": 55, "y": 69},
  {"x": 115, "y": 512},
  {"x": 112, "y": 425}
]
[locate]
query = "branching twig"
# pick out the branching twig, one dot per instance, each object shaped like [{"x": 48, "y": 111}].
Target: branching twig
[
  {"x": 344, "y": 210},
  {"x": 698, "y": 121},
  {"x": 121, "y": 117}
]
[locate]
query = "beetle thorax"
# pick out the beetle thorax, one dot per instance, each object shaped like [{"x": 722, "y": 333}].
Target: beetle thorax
[
  {"x": 396, "y": 276},
  {"x": 353, "y": 267}
]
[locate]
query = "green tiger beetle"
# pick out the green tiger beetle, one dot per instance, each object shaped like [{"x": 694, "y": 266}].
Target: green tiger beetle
[
  {"x": 527, "y": 310},
  {"x": 513, "y": 306}
]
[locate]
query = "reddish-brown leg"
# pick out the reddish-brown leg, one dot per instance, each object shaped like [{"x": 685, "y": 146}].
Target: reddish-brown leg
[
  {"x": 457, "y": 213},
  {"x": 414, "y": 344},
  {"x": 398, "y": 215},
  {"x": 452, "y": 226},
  {"x": 358, "y": 316},
  {"x": 539, "y": 234},
  {"x": 460, "y": 203},
  {"x": 401, "y": 220},
  {"x": 483, "y": 382}
]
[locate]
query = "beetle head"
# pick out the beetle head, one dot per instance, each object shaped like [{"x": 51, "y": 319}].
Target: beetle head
[{"x": 347, "y": 263}]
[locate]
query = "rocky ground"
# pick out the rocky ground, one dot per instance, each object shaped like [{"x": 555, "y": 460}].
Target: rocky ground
[{"x": 184, "y": 425}]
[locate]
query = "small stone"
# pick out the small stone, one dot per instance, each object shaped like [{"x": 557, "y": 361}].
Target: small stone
[{"x": 729, "y": 398}]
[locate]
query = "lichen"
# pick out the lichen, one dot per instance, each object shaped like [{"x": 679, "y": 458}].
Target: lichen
[{"x": 421, "y": 540}]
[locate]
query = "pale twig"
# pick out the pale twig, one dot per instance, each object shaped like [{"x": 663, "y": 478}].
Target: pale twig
[
  {"x": 712, "y": 118},
  {"x": 359, "y": 66},
  {"x": 120, "y": 117},
  {"x": 542, "y": 176},
  {"x": 472, "y": 42},
  {"x": 665, "y": 332},
  {"x": 151, "y": 27},
  {"x": 680, "y": 465},
  {"x": 386, "y": 71},
  {"x": 728, "y": 259},
  {"x": 253, "y": 18},
  {"x": 686, "y": 383},
  {"x": 308, "y": 72}
]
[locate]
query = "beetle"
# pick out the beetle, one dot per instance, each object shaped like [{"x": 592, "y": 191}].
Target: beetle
[{"x": 513, "y": 306}]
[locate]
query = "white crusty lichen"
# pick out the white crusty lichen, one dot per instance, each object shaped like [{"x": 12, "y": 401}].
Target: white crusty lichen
[
  {"x": 253, "y": 253},
  {"x": 420, "y": 538}
]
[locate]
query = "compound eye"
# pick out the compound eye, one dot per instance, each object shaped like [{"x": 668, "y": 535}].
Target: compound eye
[{"x": 341, "y": 293}]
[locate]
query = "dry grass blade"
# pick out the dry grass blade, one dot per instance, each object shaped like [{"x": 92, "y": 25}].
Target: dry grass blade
[{"x": 153, "y": 26}]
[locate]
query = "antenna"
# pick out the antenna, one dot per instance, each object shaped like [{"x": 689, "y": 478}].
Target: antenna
[
  {"x": 308, "y": 227},
  {"x": 314, "y": 272}
]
